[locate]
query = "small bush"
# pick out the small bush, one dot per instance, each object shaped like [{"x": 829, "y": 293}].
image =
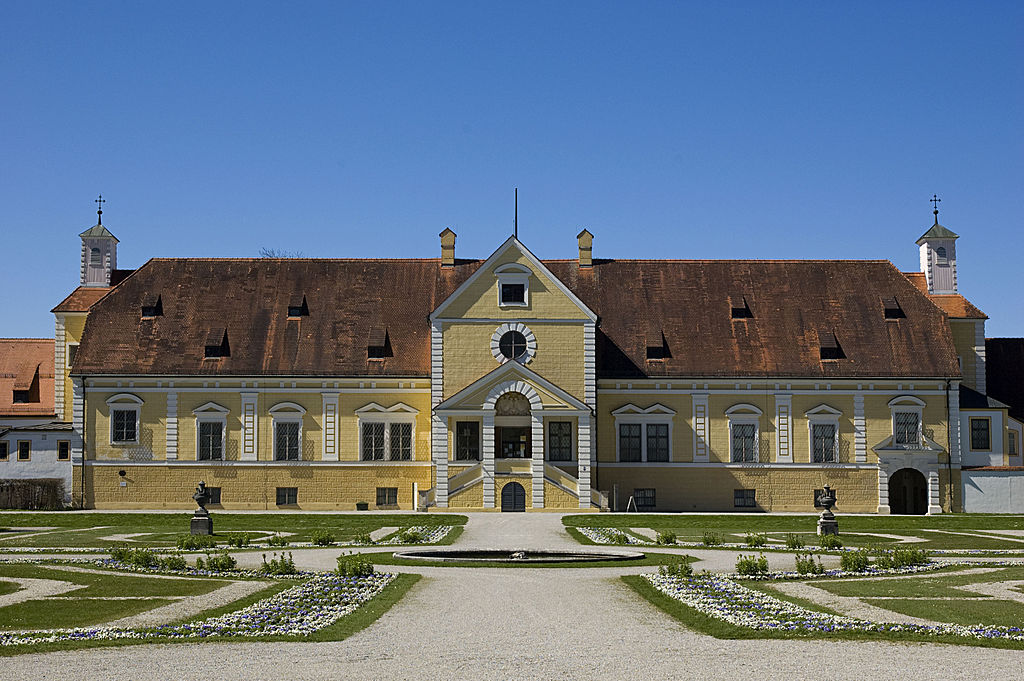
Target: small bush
[
  {"x": 619, "y": 538},
  {"x": 277, "y": 540},
  {"x": 239, "y": 539},
  {"x": 120, "y": 553},
  {"x": 218, "y": 563},
  {"x": 322, "y": 538},
  {"x": 278, "y": 566},
  {"x": 711, "y": 539},
  {"x": 806, "y": 565},
  {"x": 410, "y": 536},
  {"x": 854, "y": 561},
  {"x": 830, "y": 541},
  {"x": 750, "y": 566},
  {"x": 755, "y": 539},
  {"x": 666, "y": 537},
  {"x": 678, "y": 568},
  {"x": 793, "y": 542},
  {"x": 143, "y": 558},
  {"x": 173, "y": 563},
  {"x": 354, "y": 565},
  {"x": 196, "y": 542},
  {"x": 901, "y": 557},
  {"x": 364, "y": 538}
]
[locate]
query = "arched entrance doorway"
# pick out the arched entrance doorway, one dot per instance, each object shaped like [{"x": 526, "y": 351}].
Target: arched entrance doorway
[
  {"x": 513, "y": 498},
  {"x": 908, "y": 492}
]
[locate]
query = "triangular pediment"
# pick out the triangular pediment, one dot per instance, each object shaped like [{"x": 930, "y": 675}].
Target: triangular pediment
[
  {"x": 512, "y": 377},
  {"x": 478, "y": 296}
]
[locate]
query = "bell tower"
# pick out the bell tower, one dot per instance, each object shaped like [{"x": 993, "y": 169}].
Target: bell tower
[
  {"x": 99, "y": 251},
  {"x": 938, "y": 255}
]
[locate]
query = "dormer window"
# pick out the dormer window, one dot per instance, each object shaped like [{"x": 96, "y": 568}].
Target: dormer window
[
  {"x": 657, "y": 348},
  {"x": 297, "y": 307},
  {"x": 379, "y": 344},
  {"x": 830, "y": 347},
  {"x": 152, "y": 306},
  {"x": 740, "y": 307},
  {"x": 513, "y": 285},
  {"x": 20, "y": 397},
  {"x": 217, "y": 344},
  {"x": 893, "y": 309}
]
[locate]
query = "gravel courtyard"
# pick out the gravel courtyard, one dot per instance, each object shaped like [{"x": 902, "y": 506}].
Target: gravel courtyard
[{"x": 522, "y": 624}]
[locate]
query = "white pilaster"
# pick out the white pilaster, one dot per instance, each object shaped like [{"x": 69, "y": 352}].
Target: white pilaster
[
  {"x": 438, "y": 425},
  {"x": 330, "y": 430},
  {"x": 59, "y": 371},
  {"x": 784, "y": 428},
  {"x": 860, "y": 431},
  {"x": 700, "y": 427},
  {"x": 954, "y": 423},
  {"x": 583, "y": 454},
  {"x": 934, "y": 503},
  {"x": 537, "y": 462},
  {"x": 883, "y": 491},
  {"x": 77, "y": 420},
  {"x": 172, "y": 426},
  {"x": 250, "y": 427},
  {"x": 487, "y": 457}
]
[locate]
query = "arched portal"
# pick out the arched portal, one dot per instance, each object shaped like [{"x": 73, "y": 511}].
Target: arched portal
[
  {"x": 513, "y": 498},
  {"x": 908, "y": 492}
]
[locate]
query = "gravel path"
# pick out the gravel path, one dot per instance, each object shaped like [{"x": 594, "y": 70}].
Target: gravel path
[
  {"x": 32, "y": 588},
  {"x": 190, "y": 605}
]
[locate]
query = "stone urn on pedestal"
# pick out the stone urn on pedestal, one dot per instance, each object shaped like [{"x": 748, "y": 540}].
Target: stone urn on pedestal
[
  {"x": 827, "y": 523},
  {"x": 202, "y": 523}
]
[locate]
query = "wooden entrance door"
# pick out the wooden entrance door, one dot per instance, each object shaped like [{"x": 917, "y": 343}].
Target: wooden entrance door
[{"x": 513, "y": 498}]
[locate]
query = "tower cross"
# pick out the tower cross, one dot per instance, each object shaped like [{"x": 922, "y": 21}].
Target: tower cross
[
  {"x": 935, "y": 204},
  {"x": 99, "y": 208}
]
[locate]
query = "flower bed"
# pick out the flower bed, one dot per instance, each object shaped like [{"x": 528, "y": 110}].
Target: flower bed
[
  {"x": 317, "y": 602},
  {"x": 723, "y": 598}
]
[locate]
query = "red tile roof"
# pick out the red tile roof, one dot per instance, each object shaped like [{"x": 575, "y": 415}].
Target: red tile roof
[
  {"x": 26, "y": 364},
  {"x": 953, "y": 304},
  {"x": 794, "y": 304},
  {"x": 81, "y": 299}
]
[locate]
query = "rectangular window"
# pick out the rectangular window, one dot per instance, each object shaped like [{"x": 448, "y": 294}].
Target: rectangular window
[
  {"x": 373, "y": 442},
  {"x": 20, "y": 397},
  {"x": 400, "y": 441},
  {"x": 387, "y": 496},
  {"x": 744, "y": 442},
  {"x": 214, "y": 493},
  {"x": 643, "y": 497},
  {"x": 286, "y": 442},
  {"x": 657, "y": 442},
  {"x": 467, "y": 441},
  {"x": 63, "y": 450},
  {"x": 819, "y": 492},
  {"x": 744, "y": 498},
  {"x": 560, "y": 441},
  {"x": 906, "y": 427},
  {"x": 823, "y": 436},
  {"x": 24, "y": 450},
  {"x": 211, "y": 440},
  {"x": 629, "y": 442},
  {"x": 287, "y": 496},
  {"x": 124, "y": 425},
  {"x": 981, "y": 437},
  {"x": 513, "y": 293},
  {"x": 1012, "y": 443},
  {"x": 4, "y": 451}
]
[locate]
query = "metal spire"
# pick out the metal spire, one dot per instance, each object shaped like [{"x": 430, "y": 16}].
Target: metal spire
[
  {"x": 935, "y": 203},
  {"x": 99, "y": 210}
]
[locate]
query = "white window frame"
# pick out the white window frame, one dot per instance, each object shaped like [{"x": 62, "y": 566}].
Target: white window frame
[
  {"x": 397, "y": 413},
  {"x": 632, "y": 414},
  {"x": 745, "y": 414},
  {"x": 908, "y": 404},
  {"x": 514, "y": 273},
  {"x": 531, "y": 342},
  {"x": 286, "y": 412},
  {"x": 822, "y": 415},
  {"x": 211, "y": 412},
  {"x": 124, "y": 402},
  {"x": 1014, "y": 426}
]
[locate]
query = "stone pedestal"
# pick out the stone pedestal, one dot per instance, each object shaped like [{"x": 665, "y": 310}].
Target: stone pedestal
[
  {"x": 201, "y": 524},
  {"x": 827, "y": 524}
]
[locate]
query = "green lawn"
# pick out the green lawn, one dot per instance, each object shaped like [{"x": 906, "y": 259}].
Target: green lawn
[
  {"x": 938, "y": 586},
  {"x": 86, "y": 529},
  {"x": 988, "y": 611},
  {"x": 732, "y": 528},
  {"x": 8, "y": 587},
  {"x": 79, "y": 612}
]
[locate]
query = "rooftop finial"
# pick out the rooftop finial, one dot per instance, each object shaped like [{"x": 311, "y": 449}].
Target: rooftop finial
[
  {"x": 99, "y": 209},
  {"x": 515, "y": 219},
  {"x": 935, "y": 202}
]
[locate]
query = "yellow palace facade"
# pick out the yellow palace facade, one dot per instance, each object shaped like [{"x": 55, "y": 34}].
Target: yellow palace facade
[{"x": 514, "y": 383}]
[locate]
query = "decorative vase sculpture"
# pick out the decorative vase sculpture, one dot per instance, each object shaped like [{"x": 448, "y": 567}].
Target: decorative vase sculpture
[
  {"x": 202, "y": 523},
  {"x": 827, "y": 523}
]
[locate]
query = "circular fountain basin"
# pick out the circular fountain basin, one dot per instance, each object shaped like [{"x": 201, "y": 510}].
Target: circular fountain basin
[{"x": 516, "y": 556}]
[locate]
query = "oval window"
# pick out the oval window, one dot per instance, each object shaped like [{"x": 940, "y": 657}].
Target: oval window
[{"x": 512, "y": 345}]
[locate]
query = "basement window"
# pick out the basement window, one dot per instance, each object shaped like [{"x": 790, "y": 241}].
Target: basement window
[
  {"x": 217, "y": 344},
  {"x": 297, "y": 307},
  {"x": 152, "y": 306},
  {"x": 830, "y": 347},
  {"x": 378, "y": 346},
  {"x": 893, "y": 309},
  {"x": 740, "y": 307}
]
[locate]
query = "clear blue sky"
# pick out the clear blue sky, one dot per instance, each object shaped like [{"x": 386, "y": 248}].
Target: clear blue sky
[{"x": 669, "y": 129}]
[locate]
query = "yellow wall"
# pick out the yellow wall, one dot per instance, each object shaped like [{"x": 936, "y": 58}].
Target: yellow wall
[
  {"x": 558, "y": 498},
  {"x": 682, "y": 428},
  {"x": 74, "y": 324},
  {"x": 187, "y": 402},
  {"x": 152, "y": 431},
  {"x": 963, "y": 341},
  {"x": 471, "y": 497}
]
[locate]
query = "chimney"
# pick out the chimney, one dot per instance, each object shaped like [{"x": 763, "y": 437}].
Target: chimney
[
  {"x": 447, "y": 247},
  {"x": 586, "y": 241}
]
